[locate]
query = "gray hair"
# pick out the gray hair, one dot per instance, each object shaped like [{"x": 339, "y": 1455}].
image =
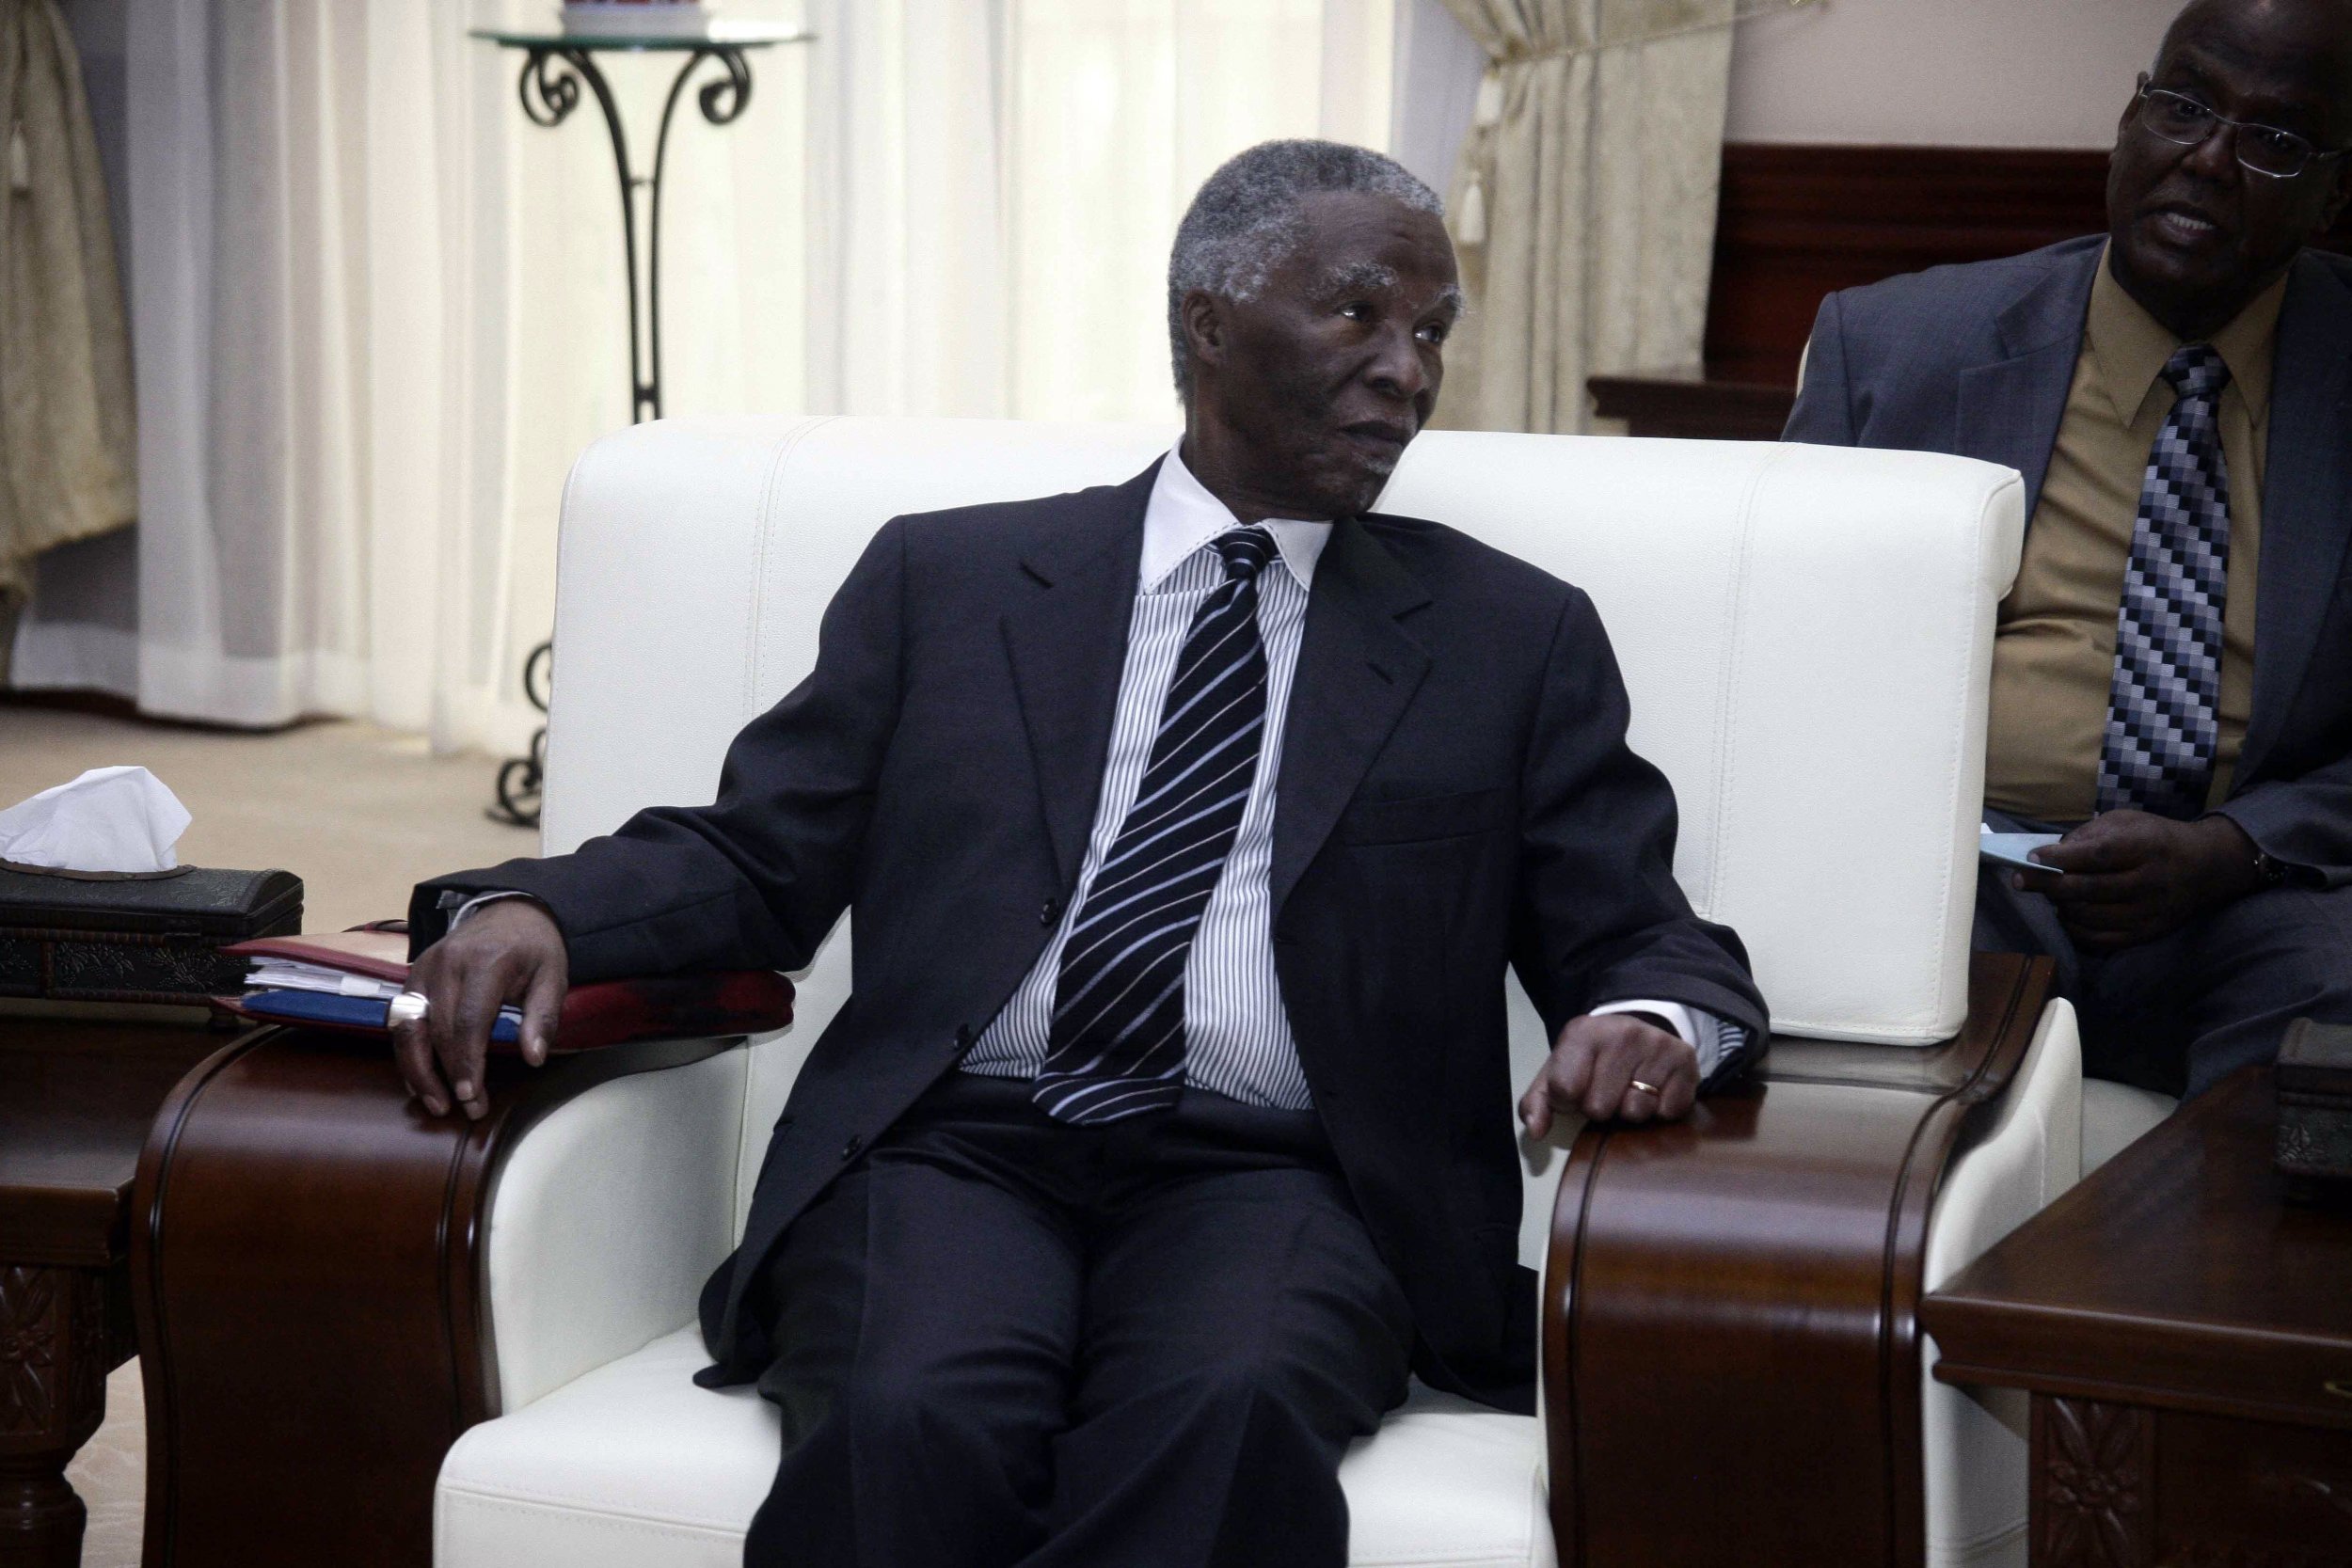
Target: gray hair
[{"x": 1251, "y": 215}]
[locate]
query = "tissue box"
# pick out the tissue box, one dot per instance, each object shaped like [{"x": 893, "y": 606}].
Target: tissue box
[
  {"x": 2315, "y": 1099},
  {"x": 140, "y": 939}
]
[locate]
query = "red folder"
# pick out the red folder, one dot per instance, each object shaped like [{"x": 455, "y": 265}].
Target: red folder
[{"x": 609, "y": 1012}]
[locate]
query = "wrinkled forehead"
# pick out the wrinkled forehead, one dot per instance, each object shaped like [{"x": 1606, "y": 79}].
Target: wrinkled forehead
[
  {"x": 1360, "y": 241},
  {"x": 1365, "y": 275},
  {"x": 2293, "y": 53}
]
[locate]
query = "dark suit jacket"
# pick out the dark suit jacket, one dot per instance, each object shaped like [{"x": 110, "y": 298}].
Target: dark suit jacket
[
  {"x": 1977, "y": 360},
  {"x": 1455, "y": 795}
]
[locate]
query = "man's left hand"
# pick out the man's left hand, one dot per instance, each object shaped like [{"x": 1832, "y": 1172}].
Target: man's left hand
[
  {"x": 2132, "y": 876},
  {"x": 1599, "y": 1067}
]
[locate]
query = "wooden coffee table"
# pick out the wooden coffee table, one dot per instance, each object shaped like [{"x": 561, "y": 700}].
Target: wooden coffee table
[
  {"x": 75, "y": 1101},
  {"x": 2186, "y": 1335}
]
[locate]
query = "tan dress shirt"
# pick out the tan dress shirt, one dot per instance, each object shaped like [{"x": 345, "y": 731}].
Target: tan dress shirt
[{"x": 2054, "y": 651}]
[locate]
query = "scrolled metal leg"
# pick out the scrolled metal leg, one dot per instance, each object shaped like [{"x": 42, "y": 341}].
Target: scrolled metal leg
[
  {"x": 550, "y": 87},
  {"x": 522, "y": 780}
]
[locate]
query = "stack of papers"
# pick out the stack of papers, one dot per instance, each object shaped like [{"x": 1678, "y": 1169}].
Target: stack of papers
[
  {"x": 314, "y": 993},
  {"x": 287, "y": 974}
]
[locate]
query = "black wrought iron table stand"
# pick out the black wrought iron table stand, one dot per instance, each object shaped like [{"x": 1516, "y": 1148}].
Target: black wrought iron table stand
[{"x": 555, "y": 66}]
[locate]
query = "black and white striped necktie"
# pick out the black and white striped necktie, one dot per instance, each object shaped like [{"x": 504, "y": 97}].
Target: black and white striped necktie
[
  {"x": 1117, "y": 1043},
  {"x": 2164, "y": 702}
]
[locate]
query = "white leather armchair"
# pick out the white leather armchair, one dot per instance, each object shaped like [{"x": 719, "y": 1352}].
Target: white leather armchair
[{"x": 1806, "y": 633}]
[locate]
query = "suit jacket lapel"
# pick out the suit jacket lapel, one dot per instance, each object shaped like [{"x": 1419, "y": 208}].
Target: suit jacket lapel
[
  {"x": 2009, "y": 409},
  {"x": 2305, "y": 519},
  {"x": 1068, "y": 643},
  {"x": 1358, "y": 669}
]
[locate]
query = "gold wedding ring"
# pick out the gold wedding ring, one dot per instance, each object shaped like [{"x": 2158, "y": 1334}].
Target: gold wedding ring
[{"x": 1647, "y": 1088}]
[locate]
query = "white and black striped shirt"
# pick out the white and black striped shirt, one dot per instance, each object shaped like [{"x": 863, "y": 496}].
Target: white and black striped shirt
[{"x": 1237, "y": 1037}]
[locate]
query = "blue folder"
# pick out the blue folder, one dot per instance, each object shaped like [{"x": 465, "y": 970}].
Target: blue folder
[{"x": 354, "y": 1012}]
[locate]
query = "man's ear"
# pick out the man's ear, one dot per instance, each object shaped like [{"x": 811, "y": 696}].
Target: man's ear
[
  {"x": 1203, "y": 315},
  {"x": 2131, "y": 111},
  {"x": 2338, "y": 197}
]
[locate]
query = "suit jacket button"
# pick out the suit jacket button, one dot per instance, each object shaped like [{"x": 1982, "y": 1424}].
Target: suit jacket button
[
  {"x": 848, "y": 1151},
  {"x": 964, "y": 1038},
  {"x": 1049, "y": 911}
]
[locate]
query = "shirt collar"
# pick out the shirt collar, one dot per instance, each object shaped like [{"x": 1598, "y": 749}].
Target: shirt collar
[
  {"x": 2130, "y": 347},
  {"x": 1182, "y": 516}
]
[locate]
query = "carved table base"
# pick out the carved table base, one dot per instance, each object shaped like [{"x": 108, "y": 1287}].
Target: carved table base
[
  {"x": 2126, "y": 1486},
  {"x": 76, "y": 1095},
  {"x": 55, "y": 1354},
  {"x": 2184, "y": 1331}
]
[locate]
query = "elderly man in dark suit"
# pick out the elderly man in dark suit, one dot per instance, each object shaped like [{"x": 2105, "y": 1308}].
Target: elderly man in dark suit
[
  {"x": 1190, "y": 826},
  {"x": 2172, "y": 674}
]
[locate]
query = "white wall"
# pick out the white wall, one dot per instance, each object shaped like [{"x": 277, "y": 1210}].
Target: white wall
[{"x": 1947, "y": 72}]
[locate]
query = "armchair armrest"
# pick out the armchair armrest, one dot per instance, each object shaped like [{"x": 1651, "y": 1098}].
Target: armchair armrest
[
  {"x": 314, "y": 1274},
  {"x": 1731, "y": 1345}
]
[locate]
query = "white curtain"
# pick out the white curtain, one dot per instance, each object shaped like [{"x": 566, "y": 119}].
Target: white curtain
[
  {"x": 1584, "y": 211},
  {"x": 1119, "y": 108},
  {"x": 376, "y": 312}
]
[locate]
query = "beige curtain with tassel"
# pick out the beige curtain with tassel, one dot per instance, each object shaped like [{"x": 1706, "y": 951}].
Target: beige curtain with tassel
[
  {"x": 1584, "y": 205},
  {"x": 66, "y": 438}
]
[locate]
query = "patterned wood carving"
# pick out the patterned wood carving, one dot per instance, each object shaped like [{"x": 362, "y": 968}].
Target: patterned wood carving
[
  {"x": 2092, "y": 1496},
  {"x": 53, "y": 1347},
  {"x": 32, "y": 1350}
]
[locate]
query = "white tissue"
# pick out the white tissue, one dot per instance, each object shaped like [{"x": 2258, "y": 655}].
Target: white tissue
[{"x": 108, "y": 819}]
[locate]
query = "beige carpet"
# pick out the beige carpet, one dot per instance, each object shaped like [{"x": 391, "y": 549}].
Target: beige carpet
[{"x": 359, "y": 812}]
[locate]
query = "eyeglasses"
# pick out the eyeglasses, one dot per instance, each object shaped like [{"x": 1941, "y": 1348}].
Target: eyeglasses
[{"x": 2263, "y": 148}]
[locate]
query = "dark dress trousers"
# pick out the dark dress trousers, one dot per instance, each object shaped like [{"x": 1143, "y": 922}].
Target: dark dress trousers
[
  {"x": 1456, "y": 798},
  {"x": 1977, "y": 360}
]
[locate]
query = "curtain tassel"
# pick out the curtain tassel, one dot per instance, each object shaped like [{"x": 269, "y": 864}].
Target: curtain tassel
[{"x": 1469, "y": 225}]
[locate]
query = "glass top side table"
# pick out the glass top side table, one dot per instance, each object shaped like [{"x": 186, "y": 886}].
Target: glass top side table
[{"x": 555, "y": 66}]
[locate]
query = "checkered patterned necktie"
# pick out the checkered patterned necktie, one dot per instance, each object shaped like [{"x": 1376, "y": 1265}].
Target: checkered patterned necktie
[
  {"x": 2163, "y": 709},
  {"x": 1117, "y": 1044}
]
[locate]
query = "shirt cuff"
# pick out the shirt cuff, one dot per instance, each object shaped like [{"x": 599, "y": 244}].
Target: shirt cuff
[
  {"x": 1702, "y": 1031},
  {"x": 462, "y": 905}
]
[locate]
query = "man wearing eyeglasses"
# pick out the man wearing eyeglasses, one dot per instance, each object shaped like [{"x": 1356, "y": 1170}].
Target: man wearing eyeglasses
[{"x": 2172, "y": 672}]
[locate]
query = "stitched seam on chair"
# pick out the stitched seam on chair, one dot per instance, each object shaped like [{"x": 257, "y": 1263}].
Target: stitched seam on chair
[
  {"x": 1725, "y": 764},
  {"x": 786, "y": 445},
  {"x": 1816, "y": 1029},
  {"x": 555, "y": 622},
  {"x": 604, "y": 1518},
  {"x": 2000, "y": 1536},
  {"x": 1952, "y": 799}
]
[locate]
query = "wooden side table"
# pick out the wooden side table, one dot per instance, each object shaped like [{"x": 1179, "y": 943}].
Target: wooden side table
[
  {"x": 2186, "y": 1335},
  {"x": 75, "y": 1101},
  {"x": 1712, "y": 403}
]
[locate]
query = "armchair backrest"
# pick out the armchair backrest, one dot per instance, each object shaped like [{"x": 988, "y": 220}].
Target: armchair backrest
[{"x": 1806, "y": 633}]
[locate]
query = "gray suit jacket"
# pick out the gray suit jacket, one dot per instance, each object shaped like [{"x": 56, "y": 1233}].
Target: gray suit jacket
[{"x": 1977, "y": 359}]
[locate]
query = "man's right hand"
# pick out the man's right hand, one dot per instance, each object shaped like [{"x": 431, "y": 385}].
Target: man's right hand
[{"x": 508, "y": 951}]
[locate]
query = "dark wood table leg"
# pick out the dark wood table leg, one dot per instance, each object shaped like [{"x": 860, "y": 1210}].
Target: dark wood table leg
[{"x": 53, "y": 1359}]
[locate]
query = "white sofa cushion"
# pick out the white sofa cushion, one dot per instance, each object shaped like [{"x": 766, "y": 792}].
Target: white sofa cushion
[{"x": 634, "y": 1466}]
